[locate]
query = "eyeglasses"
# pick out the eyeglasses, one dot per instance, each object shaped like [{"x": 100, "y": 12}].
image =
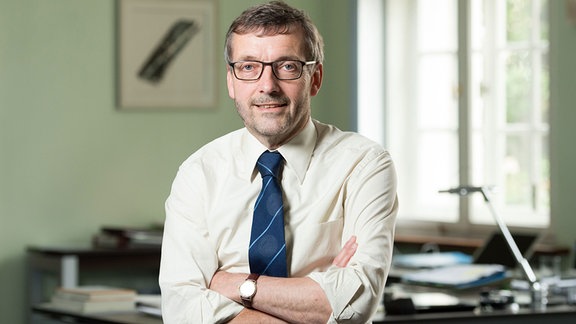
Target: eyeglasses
[{"x": 282, "y": 70}]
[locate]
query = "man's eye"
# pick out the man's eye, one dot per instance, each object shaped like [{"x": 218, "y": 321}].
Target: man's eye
[
  {"x": 247, "y": 67},
  {"x": 288, "y": 66}
]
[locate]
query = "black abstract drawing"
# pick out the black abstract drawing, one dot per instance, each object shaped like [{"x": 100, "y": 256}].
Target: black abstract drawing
[{"x": 172, "y": 43}]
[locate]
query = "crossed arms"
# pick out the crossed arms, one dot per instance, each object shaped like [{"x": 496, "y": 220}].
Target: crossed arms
[{"x": 282, "y": 300}]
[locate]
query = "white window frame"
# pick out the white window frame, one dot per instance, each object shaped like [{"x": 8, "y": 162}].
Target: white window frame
[{"x": 375, "y": 111}]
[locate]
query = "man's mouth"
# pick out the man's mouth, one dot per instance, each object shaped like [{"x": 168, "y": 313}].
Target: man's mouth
[{"x": 269, "y": 106}]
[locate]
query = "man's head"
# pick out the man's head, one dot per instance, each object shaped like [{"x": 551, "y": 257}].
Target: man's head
[
  {"x": 276, "y": 17},
  {"x": 274, "y": 54}
]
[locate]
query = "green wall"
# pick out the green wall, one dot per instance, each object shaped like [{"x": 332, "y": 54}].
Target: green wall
[
  {"x": 70, "y": 161},
  {"x": 563, "y": 123}
]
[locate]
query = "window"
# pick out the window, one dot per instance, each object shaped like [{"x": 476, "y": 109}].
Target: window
[{"x": 465, "y": 103}]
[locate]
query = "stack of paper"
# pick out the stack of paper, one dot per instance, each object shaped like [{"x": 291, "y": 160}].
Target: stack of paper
[
  {"x": 430, "y": 260},
  {"x": 458, "y": 276},
  {"x": 149, "y": 304},
  {"x": 94, "y": 299}
]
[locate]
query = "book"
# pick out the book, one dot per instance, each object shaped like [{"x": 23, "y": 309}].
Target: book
[
  {"x": 92, "y": 306},
  {"x": 95, "y": 293},
  {"x": 94, "y": 299}
]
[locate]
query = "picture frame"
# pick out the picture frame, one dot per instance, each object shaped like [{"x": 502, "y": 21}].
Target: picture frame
[{"x": 167, "y": 54}]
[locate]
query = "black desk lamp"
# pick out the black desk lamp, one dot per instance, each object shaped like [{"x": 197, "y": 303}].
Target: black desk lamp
[{"x": 537, "y": 291}]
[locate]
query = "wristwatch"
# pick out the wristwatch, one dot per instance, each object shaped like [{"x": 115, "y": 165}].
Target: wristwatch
[{"x": 248, "y": 290}]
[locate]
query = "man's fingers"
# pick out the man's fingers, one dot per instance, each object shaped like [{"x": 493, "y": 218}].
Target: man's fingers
[{"x": 346, "y": 253}]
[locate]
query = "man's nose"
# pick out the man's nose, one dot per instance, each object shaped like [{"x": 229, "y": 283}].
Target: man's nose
[{"x": 268, "y": 80}]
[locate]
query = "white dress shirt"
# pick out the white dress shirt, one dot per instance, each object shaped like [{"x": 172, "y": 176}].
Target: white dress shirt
[{"x": 336, "y": 184}]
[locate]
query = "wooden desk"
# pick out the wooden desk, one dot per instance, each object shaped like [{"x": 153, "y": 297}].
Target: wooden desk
[
  {"x": 44, "y": 313},
  {"x": 560, "y": 310},
  {"x": 68, "y": 264},
  {"x": 555, "y": 315}
]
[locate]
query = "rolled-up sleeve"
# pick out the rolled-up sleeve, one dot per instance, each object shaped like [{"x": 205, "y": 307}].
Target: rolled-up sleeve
[{"x": 370, "y": 210}]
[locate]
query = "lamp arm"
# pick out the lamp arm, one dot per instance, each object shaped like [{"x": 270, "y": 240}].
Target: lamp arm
[{"x": 526, "y": 268}]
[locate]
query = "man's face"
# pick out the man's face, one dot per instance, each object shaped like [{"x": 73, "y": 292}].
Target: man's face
[{"x": 273, "y": 110}]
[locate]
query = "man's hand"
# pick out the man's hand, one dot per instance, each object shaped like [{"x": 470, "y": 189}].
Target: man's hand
[{"x": 344, "y": 256}]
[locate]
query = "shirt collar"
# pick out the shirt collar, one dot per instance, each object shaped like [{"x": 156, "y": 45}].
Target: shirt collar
[{"x": 297, "y": 153}]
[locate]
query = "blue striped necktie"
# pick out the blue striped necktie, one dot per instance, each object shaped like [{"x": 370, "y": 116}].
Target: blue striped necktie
[{"x": 267, "y": 251}]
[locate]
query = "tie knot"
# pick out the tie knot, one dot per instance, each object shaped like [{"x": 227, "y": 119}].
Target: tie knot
[{"x": 269, "y": 164}]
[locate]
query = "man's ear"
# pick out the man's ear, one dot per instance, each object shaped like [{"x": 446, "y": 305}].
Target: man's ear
[
  {"x": 230, "y": 82},
  {"x": 316, "y": 79}
]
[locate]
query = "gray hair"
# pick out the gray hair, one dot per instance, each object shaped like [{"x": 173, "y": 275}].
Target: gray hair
[{"x": 273, "y": 18}]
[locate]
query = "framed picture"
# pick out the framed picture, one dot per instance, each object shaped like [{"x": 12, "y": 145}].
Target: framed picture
[{"x": 167, "y": 54}]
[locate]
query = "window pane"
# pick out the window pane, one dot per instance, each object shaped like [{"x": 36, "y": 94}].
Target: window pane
[
  {"x": 518, "y": 87},
  {"x": 437, "y": 101},
  {"x": 432, "y": 168},
  {"x": 437, "y": 167},
  {"x": 544, "y": 88},
  {"x": 516, "y": 168},
  {"x": 477, "y": 160},
  {"x": 526, "y": 202},
  {"x": 477, "y": 90},
  {"x": 543, "y": 15},
  {"x": 437, "y": 25},
  {"x": 518, "y": 18},
  {"x": 522, "y": 197},
  {"x": 477, "y": 24}
]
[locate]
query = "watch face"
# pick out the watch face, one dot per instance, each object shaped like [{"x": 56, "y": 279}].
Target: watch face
[{"x": 247, "y": 288}]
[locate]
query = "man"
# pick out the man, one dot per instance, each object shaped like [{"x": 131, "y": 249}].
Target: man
[{"x": 337, "y": 202}]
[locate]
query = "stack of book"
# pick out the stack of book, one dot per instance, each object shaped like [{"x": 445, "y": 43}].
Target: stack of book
[
  {"x": 94, "y": 299},
  {"x": 128, "y": 237}
]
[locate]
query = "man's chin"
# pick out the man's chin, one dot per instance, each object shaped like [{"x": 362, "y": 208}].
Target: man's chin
[
  {"x": 271, "y": 125},
  {"x": 270, "y": 131}
]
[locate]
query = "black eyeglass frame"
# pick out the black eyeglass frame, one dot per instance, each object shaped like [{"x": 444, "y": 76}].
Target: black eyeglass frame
[{"x": 271, "y": 64}]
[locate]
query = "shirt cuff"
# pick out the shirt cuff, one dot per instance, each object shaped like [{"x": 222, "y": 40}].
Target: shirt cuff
[{"x": 340, "y": 286}]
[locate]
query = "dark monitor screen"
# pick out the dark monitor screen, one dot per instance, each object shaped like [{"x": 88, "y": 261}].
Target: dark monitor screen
[{"x": 496, "y": 251}]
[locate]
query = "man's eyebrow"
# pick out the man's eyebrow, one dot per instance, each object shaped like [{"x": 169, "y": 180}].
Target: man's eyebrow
[
  {"x": 289, "y": 58},
  {"x": 282, "y": 58}
]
